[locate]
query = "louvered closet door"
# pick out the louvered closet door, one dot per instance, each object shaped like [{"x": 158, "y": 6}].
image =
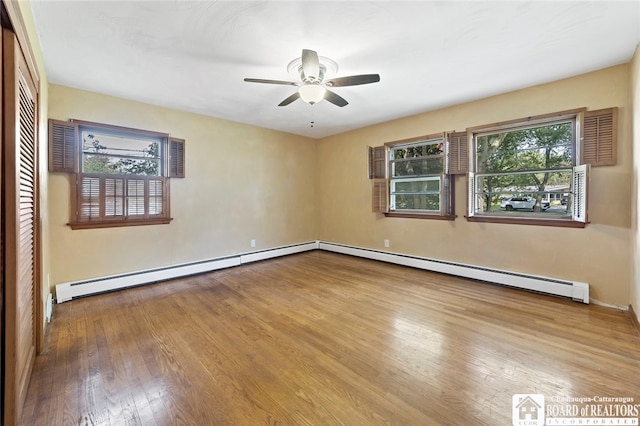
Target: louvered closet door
[
  {"x": 2, "y": 240},
  {"x": 20, "y": 212}
]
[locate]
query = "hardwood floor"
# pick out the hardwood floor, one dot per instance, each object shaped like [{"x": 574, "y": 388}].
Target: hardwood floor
[{"x": 320, "y": 339}]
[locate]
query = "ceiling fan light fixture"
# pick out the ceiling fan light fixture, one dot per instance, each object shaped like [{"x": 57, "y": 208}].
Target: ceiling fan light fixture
[
  {"x": 312, "y": 93},
  {"x": 312, "y": 70}
]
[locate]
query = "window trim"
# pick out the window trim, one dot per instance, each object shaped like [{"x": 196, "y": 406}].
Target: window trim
[
  {"x": 118, "y": 129},
  {"x": 447, "y": 192},
  {"x": 520, "y": 220},
  {"x": 423, "y": 178},
  {"x": 170, "y": 167},
  {"x": 118, "y": 223},
  {"x": 163, "y": 139},
  {"x": 119, "y": 220},
  {"x": 534, "y": 120},
  {"x": 577, "y": 117}
]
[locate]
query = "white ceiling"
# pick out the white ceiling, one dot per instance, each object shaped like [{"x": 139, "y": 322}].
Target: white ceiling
[{"x": 193, "y": 56}]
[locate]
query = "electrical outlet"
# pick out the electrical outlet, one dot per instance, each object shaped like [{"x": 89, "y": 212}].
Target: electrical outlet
[
  {"x": 253, "y": 243},
  {"x": 386, "y": 243}
]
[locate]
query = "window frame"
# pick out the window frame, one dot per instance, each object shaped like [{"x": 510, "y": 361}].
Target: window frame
[
  {"x": 124, "y": 219},
  {"x": 426, "y": 178},
  {"x": 143, "y": 135},
  {"x": 66, "y": 155},
  {"x": 577, "y": 215},
  {"x": 446, "y": 191}
]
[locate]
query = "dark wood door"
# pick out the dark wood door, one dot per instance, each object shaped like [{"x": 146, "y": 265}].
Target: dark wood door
[
  {"x": 20, "y": 225},
  {"x": 2, "y": 332}
]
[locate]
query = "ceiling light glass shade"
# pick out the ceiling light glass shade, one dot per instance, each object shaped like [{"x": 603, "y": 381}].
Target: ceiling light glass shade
[{"x": 311, "y": 93}]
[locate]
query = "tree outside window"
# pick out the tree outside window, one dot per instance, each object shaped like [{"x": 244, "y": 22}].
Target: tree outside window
[{"x": 534, "y": 163}]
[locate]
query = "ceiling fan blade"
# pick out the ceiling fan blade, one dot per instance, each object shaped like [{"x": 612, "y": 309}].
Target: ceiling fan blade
[
  {"x": 260, "y": 80},
  {"x": 290, "y": 99},
  {"x": 353, "y": 80},
  {"x": 335, "y": 99},
  {"x": 310, "y": 64}
]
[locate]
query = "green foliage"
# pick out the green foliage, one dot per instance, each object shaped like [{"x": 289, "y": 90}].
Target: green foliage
[
  {"x": 417, "y": 202},
  {"x": 99, "y": 161},
  {"x": 417, "y": 194},
  {"x": 419, "y": 160},
  {"x": 529, "y": 154}
]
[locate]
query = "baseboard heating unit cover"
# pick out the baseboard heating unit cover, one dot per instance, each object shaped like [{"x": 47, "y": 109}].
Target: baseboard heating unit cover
[
  {"x": 68, "y": 291},
  {"x": 575, "y": 290},
  {"x": 578, "y": 291}
]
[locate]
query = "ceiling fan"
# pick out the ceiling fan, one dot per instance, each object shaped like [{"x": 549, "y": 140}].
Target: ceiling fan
[{"x": 312, "y": 87}]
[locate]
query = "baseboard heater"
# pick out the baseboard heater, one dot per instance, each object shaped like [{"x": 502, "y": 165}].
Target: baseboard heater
[
  {"x": 575, "y": 290},
  {"x": 578, "y": 291},
  {"x": 70, "y": 290}
]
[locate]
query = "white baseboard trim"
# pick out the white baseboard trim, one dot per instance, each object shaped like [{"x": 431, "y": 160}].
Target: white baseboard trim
[
  {"x": 608, "y": 305},
  {"x": 70, "y": 290},
  {"x": 277, "y": 252},
  {"x": 578, "y": 291}
]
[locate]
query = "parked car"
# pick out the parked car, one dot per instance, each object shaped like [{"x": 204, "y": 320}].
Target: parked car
[
  {"x": 564, "y": 200},
  {"x": 521, "y": 203}
]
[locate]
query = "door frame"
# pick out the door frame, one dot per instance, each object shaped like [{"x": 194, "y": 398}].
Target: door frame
[{"x": 12, "y": 397}]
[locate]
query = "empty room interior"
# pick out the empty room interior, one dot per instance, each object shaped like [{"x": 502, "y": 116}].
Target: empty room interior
[{"x": 314, "y": 213}]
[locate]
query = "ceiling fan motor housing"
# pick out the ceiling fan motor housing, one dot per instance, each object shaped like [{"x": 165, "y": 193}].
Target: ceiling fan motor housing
[{"x": 311, "y": 79}]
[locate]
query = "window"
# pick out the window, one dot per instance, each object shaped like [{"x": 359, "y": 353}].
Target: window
[
  {"x": 121, "y": 175},
  {"x": 417, "y": 184},
  {"x": 105, "y": 152},
  {"x": 416, "y": 176},
  {"x": 531, "y": 171}
]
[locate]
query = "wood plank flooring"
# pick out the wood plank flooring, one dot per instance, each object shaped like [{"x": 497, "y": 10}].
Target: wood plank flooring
[{"x": 322, "y": 339}]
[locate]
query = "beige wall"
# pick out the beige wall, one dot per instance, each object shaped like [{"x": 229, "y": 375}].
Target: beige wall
[
  {"x": 242, "y": 183},
  {"x": 634, "y": 79},
  {"x": 248, "y": 183},
  {"x": 598, "y": 254}
]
